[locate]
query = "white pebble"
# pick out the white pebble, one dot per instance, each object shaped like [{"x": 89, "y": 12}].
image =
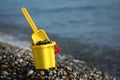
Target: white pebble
[
  {"x": 18, "y": 55},
  {"x": 16, "y": 62},
  {"x": 4, "y": 56},
  {"x": 20, "y": 60},
  {"x": 30, "y": 72}
]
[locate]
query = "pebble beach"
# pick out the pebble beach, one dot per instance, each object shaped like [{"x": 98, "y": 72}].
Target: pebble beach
[{"x": 18, "y": 64}]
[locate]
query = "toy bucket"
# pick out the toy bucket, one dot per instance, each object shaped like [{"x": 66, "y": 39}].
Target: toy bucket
[{"x": 44, "y": 56}]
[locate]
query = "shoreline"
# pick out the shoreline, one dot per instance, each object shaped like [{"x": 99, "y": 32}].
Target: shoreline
[{"x": 66, "y": 68}]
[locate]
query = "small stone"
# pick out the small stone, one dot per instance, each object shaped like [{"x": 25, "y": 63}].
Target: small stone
[
  {"x": 18, "y": 55},
  {"x": 42, "y": 72},
  {"x": 85, "y": 76},
  {"x": 99, "y": 72},
  {"x": 5, "y": 73},
  {"x": 71, "y": 63},
  {"x": 38, "y": 74},
  {"x": 46, "y": 76},
  {"x": 16, "y": 62},
  {"x": 4, "y": 66},
  {"x": 75, "y": 74},
  {"x": 68, "y": 68},
  {"x": 18, "y": 68},
  {"x": 27, "y": 62},
  {"x": 4, "y": 56},
  {"x": 55, "y": 75},
  {"x": 64, "y": 73},
  {"x": 30, "y": 72},
  {"x": 6, "y": 63},
  {"x": 11, "y": 56},
  {"x": 92, "y": 74},
  {"x": 54, "y": 72},
  {"x": 12, "y": 64},
  {"x": 14, "y": 73},
  {"x": 20, "y": 60},
  {"x": 50, "y": 73},
  {"x": 58, "y": 73},
  {"x": 57, "y": 78}
]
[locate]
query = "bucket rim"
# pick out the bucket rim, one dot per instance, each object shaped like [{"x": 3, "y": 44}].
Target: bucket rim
[{"x": 43, "y": 46}]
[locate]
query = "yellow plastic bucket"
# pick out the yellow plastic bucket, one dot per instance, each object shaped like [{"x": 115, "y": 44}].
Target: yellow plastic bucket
[{"x": 44, "y": 56}]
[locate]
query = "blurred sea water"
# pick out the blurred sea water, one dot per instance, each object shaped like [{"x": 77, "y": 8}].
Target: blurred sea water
[
  {"x": 95, "y": 22},
  {"x": 86, "y": 29}
]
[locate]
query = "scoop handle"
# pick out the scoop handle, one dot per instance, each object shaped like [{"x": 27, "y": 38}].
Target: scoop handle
[{"x": 29, "y": 19}]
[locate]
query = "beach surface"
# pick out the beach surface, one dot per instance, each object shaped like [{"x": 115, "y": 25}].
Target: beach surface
[{"x": 17, "y": 63}]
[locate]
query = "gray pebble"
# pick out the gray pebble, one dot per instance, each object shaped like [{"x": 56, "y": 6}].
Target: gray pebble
[
  {"x": 5, "y": 73},
  {"x": 50, "y": 73},
  {"x": 42, "y": 72}
]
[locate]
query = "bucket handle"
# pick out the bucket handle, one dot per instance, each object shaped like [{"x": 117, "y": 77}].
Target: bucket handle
[{"x": 57, "y": 49}]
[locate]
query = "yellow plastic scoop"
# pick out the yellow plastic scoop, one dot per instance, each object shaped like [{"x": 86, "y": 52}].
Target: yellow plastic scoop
[{"x": 38, "y": 35}]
